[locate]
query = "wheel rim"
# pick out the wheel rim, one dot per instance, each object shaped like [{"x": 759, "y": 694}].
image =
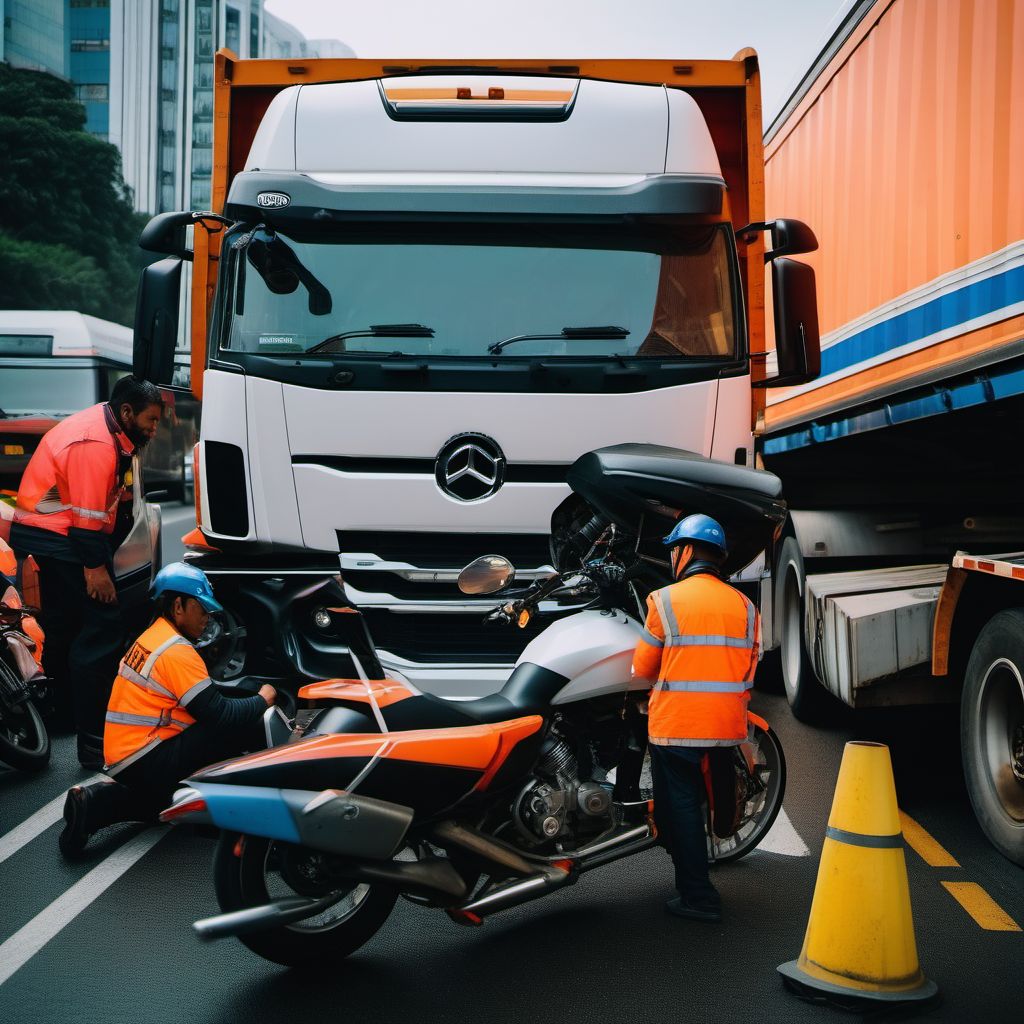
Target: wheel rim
[
  {"x": 277, "y": 886},
  {"x": 758, "y": 812},
  {"x": 792, "y": 641},
  {"x": 1000, "y": 737}
]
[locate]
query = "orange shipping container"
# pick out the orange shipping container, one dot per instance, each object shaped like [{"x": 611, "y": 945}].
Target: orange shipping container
[{"x": 897, "y": 149}]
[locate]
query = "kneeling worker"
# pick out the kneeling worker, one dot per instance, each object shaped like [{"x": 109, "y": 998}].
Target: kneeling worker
[
  {"x": 165, "y": 719},
  {"x": 700, "y": 649}
]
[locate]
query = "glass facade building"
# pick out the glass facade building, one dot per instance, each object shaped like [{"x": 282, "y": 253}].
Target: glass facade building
[
  {"x": 88, "y": 37},
  {"x": 34, "y": 35}
]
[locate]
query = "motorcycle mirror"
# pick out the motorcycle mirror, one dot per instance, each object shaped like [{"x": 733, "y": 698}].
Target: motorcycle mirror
[{"x": 486, "y": 575}]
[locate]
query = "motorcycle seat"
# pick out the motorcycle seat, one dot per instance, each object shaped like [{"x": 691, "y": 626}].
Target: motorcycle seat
[{"x": 528, "y": 691}]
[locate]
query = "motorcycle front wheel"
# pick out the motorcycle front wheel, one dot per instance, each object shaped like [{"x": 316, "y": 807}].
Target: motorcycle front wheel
[
  {"x": 24, "y": 741},
  {"x": 249, "y": 871},
  {"x": 763, "y": 802}
]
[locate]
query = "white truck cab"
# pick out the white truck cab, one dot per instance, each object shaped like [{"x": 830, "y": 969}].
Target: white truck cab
[{"x": 434, "y": 293}]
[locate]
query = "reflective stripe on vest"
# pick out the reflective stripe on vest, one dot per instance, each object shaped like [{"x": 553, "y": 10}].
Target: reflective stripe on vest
[
  {"x": 696, "y": 686},
  {"x": 162, "y": 722},
  {"x": 650, "y": 638},
  {"x": 745, "y": 643}
]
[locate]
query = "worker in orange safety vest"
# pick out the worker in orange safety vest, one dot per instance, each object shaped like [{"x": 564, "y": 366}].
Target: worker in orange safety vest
[
  {"x": 166, "y": 718},
  {"x": 700, "y": 649},
  {"x": 74, "y": 508}
]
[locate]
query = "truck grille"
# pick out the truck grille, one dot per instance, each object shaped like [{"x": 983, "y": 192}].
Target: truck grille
[{"x": 446, "y": 550}]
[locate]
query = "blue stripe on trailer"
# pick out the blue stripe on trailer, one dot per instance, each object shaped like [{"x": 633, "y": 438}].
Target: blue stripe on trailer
[
  {"x": 977, "y": 390},
  {"x": 940, "y": 314}
]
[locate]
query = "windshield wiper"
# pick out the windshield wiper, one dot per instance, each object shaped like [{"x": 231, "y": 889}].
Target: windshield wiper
[
  {"x": 376, "y": 331},
  {"x": 566, "y": 334}
]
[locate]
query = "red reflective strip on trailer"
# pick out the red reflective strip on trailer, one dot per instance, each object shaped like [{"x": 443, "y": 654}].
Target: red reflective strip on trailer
[
  {"x": 987, "y": 566},
  {"x": 1017, "y": 572}
]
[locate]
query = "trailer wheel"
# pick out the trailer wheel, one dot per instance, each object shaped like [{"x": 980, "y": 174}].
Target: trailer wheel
[
  {"x": 806, "y": 696},
  {"x": 992, "y": 732}
]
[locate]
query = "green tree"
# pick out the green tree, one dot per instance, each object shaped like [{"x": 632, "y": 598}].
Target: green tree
[{"x": 68, "y": 233}]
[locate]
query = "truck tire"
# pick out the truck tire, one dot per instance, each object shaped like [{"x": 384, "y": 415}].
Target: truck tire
[
  {"x": 992, "y": 731},
  {"x": 807, "y": 697}
]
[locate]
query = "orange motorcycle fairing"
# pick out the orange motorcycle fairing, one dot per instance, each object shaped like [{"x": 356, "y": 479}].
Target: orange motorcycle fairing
[
  {"x": 356, "y": 691},
  {"x": 424, "y": 768}
]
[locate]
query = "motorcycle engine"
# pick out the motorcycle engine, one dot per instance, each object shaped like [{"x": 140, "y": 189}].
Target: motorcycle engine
[{"x": 555, "y": 803}]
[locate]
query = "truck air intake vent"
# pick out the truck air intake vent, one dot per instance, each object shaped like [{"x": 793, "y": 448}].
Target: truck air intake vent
[{"x": 226, "y": 491}]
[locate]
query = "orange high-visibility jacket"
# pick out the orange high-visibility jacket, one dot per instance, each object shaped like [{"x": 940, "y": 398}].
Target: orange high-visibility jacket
[
  {"x": 72, "y": 479},
  {"x": 156, "y": 681},
  {"x": 700, "y": 648}
]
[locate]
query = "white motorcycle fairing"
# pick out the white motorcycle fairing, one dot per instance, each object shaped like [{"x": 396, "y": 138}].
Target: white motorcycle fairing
[{"x": 593, "y": 650}]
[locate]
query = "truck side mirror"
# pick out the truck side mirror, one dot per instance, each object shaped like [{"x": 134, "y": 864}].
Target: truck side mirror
[
  {"x": 165, "y": 234},
  {"x": 156, "y": 321},
  {"x": 789, "y": 238},
  {"x": 797, "y": 343}
]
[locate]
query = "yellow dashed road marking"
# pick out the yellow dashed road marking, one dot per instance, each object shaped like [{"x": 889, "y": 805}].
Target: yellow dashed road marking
[
  {"x": 985, "y": 911},
  {"x": 930, "y": 850}
]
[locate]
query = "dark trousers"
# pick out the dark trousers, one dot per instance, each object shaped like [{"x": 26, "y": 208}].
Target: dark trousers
[
  {"x": 84, "y": 642},
  {"x": 150, "y": 782},
  {"x": 679, "y": 797}
]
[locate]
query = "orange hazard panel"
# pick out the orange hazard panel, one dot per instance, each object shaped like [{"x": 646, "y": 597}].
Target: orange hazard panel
[
  {"x": 473, "y": 747},
  {"x": 385, "y": 691}
]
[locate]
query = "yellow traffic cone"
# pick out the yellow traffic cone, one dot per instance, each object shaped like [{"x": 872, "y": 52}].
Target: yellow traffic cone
[{"x": 860, "y": 935}]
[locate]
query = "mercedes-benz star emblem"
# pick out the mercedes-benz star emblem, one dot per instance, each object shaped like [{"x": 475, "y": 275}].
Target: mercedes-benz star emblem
[{"x": 470, "y": 467}]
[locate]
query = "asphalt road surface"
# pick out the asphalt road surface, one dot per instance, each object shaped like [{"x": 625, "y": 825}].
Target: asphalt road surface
[
  {"x": 109, "y": 939},
  {"x": 177, "y": 520}
]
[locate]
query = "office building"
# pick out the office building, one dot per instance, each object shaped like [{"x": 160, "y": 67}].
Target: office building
[{"x": 32, "y": 35}]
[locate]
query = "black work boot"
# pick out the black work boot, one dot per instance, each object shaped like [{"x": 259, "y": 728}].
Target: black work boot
[
  {"x": 703, "y": 911},
  {"x": 87, "y": 809},
  {"x": 76, "y": 831}
]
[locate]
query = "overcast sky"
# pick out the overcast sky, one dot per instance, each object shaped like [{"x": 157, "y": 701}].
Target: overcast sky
[{"x": 787, "y": 34}]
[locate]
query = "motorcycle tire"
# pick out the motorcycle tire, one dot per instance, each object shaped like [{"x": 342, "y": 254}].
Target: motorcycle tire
[
  {"x": 240, "y": 881},
  {"x": 24, "y": 741},
  {"x": 739, "y": 845}
]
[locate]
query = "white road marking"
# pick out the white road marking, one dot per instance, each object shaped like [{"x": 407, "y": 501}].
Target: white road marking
[
  {"x": 47, "y": 815},
  {"x": 29, "y": 940},
  {"x": 783, "y": 838}
]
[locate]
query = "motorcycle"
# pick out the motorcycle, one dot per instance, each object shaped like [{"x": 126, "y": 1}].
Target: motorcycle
[
  {"x": 24, "y": 741},
  {"x": 377, "y": 790}
]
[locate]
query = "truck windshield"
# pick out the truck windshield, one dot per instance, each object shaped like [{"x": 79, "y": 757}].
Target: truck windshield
[
  {"x": 667, "y": 289},
  {"x": 45, "y": 389}
]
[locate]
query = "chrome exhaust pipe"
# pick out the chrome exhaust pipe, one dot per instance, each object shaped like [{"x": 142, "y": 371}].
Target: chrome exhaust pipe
[
  {"x": 522, "y": 891},
  {"x": 615, "y": 847},
  {"x": 275, "y": 914},
  {"x": 554, "y": 875}
]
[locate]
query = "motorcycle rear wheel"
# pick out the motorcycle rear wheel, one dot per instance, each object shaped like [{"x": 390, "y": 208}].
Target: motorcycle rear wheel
[
  {"x": 246, "y": 873},
  {"x": 763, "y": 808},
  {"x": 24, "y": 741}
]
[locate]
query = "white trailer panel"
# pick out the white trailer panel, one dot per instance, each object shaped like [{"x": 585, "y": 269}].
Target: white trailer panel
[{"x": 865, "y": 628}]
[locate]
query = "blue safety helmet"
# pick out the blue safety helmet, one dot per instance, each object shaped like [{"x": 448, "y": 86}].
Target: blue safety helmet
[
  {"x": 180, "y": 578},
  {"x": 700, "y": 529}
]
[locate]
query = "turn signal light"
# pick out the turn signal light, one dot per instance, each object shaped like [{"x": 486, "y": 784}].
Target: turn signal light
[{"x": 183, "y": 810}]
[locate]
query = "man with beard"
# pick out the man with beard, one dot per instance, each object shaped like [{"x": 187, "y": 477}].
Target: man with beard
[{"x": 74, "y": 509}]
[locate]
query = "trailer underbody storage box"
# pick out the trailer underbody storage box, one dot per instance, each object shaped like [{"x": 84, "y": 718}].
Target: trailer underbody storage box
[{"x": 870, "y": 633}]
